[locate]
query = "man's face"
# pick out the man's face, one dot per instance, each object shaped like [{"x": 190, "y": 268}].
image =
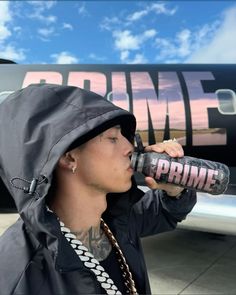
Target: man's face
[{"x": 104, "y": 162}]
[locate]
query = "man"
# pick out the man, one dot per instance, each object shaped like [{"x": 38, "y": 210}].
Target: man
[{"x": 65, "y": 158}]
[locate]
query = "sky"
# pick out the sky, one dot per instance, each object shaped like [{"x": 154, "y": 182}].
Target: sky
[{"x": 118, "y": 32}]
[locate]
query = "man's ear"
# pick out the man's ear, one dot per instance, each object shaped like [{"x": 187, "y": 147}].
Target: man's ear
[{"x": 67, "y": 161}]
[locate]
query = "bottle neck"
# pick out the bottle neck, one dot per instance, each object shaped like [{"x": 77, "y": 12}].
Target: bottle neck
[{"x": 137, "y": 161}]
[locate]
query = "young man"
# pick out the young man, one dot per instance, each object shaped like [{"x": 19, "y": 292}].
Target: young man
[{"x": 65, "y": 159}]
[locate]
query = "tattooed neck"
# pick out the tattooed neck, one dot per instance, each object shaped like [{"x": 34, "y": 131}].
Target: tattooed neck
[{"x": 96, "y": 241}]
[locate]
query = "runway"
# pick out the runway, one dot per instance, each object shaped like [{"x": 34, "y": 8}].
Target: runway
[{"x": 184, "y": 262}]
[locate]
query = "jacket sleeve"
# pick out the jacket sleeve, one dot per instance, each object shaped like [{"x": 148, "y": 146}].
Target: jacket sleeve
[{"x": 156, "y": 212}]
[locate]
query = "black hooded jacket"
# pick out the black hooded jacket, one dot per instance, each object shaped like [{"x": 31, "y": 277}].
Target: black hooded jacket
[{"x": 37, "y": 125}]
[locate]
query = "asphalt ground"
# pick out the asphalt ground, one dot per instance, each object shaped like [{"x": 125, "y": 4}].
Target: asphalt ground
[{"x": 184, "y": 261}]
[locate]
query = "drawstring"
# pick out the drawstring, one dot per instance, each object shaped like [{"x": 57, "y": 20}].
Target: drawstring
[{"x": 31, "y": 185}]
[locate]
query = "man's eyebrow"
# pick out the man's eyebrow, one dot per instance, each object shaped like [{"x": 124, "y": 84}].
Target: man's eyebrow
[{"x": 117, "y": 127}]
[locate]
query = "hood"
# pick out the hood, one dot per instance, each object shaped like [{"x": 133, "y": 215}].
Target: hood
[{"x": 38, "y": 124}]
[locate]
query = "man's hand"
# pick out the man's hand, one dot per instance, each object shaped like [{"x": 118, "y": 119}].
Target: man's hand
[{"x": 173, "y": 149}]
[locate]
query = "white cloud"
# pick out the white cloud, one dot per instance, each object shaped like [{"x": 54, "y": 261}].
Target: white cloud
[
  {"x": 95, "y": 57},
  {"x": 67, "y": 26},
  {"x": 42, "y": 5},
  {"x": 113, "y": 23},
  {"x": 110, "y": 23},
  {"x": 137, "y": 15},
  {"x": 161, "y": 8},
  {"x": 82, "y": 10},
  {"x": 124, "y": 55},
  {"x": 157, "y": 8},
  {"x": 221, "y": 47},
  {"x": 166, "y": 49},
  {"x": 39, "y": 8},
  {"x": 148, "y": 34},
  {"x": 183, "y": 38},
  {"x": 45, "y": 19},
  {"x": 125, "y": 41},
  {"x": 64, "y": 57},
  {"x": 45, "y": 33},
  {"x": 184, "y": 43},
  {"x": 4, "y": 32},
  {"x": 17, "y": 29},
  {"x": 212, "y": 43},
  {"x": 7, "y": 50},
  {"x": 5, "y": 18},
  {"x": 5, "y": 14},
  {"x": 138, "y": 59},
  {"x": 12, "y": 53}
]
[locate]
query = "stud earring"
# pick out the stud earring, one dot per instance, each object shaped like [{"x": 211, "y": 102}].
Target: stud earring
[{"x": 73, "y": 169}]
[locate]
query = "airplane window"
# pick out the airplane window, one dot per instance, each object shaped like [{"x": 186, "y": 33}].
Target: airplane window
[
  {"x": 227, "y": 101},
  {"x": 4, "y": 95},
  {"x": 121, "y": 99}
]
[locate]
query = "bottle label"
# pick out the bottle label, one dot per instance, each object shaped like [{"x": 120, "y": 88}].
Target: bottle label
[
  {"x": 202, "y": 175},
  {"x": 185, "y": 175}
]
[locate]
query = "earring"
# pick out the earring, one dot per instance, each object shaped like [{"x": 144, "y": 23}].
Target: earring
[{"x": 73, "y": 169}]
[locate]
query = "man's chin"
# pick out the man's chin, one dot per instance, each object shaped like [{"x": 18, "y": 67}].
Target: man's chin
[{"x": 125, "y": 188}]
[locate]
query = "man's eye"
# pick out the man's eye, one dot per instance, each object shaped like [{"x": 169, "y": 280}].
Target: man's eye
[{"x": 113, "y": 139}]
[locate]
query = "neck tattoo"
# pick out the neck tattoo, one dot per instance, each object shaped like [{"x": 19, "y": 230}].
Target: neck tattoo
[{"x": 96, "y": 241}]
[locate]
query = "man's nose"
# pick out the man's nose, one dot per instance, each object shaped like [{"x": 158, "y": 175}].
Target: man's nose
[{"x": 129, "y": 148}]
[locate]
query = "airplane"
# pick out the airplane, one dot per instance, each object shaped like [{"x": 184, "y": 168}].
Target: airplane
[{"x": 194, "y": 103}]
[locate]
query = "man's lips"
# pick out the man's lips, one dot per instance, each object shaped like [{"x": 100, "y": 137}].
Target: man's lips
[{"x": 130, "y": 169}]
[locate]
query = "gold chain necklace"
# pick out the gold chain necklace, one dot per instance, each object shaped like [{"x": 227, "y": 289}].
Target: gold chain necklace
[{"x": 129, "y": 282}]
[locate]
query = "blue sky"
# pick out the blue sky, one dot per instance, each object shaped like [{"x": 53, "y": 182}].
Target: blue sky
[{"x": 114, "y": 32}]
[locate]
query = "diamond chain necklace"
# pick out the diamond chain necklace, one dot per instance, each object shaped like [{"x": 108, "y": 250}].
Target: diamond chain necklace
[{"x": 93, "y": 264}]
